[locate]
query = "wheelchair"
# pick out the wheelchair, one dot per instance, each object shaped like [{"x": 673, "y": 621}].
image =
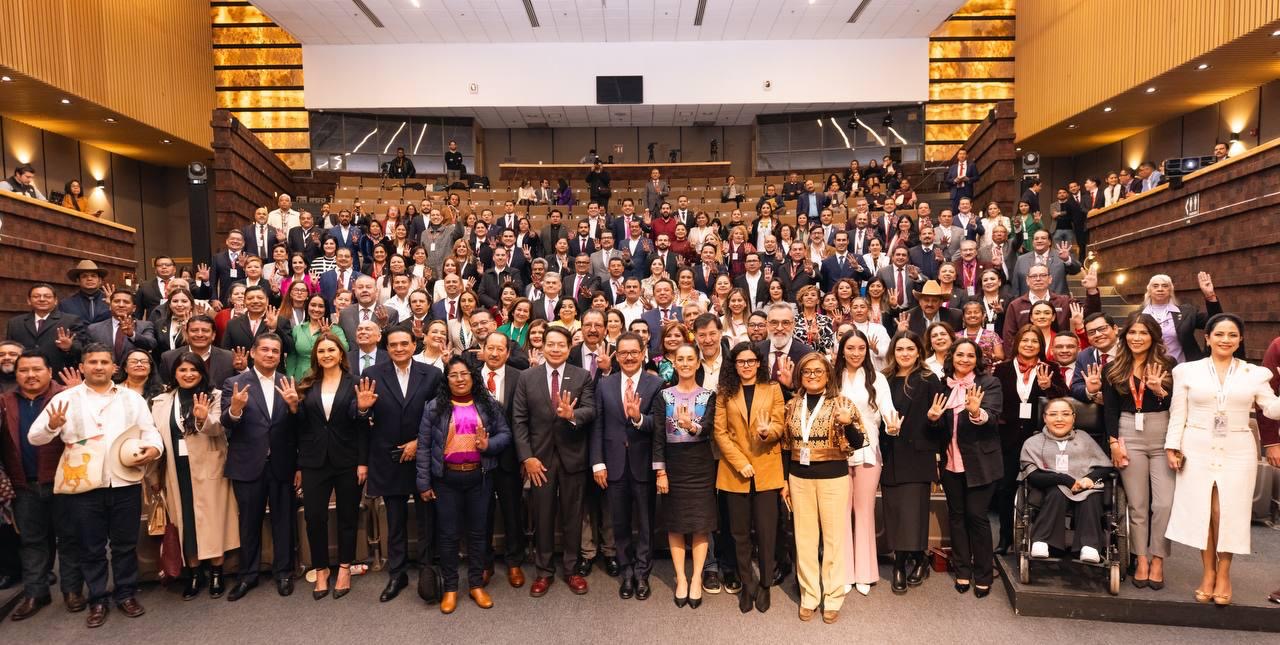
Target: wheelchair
[{"x": 1114, "y": 551}]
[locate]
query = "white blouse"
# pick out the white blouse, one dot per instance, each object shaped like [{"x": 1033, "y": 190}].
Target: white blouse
[{"x": 855, "y": 390}]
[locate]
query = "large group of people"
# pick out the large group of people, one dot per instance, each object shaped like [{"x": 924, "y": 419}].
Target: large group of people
[{"x": 745, "y": 389}]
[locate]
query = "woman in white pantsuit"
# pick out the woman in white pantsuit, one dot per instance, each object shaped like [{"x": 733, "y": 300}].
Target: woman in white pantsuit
[{"x": 1215, "y": 453}]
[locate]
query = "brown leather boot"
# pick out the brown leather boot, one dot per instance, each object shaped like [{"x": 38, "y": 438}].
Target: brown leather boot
[
  {"x": 481, "y": 597},
  {"x": 515, "y": 575},
  {"x": 449, "y": 602},
  {"x": 28, "y": 607}
]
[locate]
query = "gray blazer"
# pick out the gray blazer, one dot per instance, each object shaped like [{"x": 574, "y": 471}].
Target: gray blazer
[
  {"x": 144, "y": 335},
  {"x": 652, "y": 198},
  {"x": 891, "y": 282},
  {"x": 600, "y": 262},
  {"x": 1058, "y": 271}
]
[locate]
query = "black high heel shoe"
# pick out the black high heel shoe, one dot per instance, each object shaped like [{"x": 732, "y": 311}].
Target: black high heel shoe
[
  {"x": 216, "y": 586},
  {"x": 194, "y": 582},
  {"x": 338, "y": 593},
  {"x": 962, "y": 587},
  {"x": 317, "y": 594},
  {"x": 981, "y": 592},
  {"x": 680, "y": 602}
]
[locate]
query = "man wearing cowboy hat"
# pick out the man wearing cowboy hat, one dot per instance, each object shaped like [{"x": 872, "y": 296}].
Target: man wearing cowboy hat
[
  {"x": 929, "y": 309},
  {"x": 109, "y": 429},
  {"x": 90, "y": 302}
]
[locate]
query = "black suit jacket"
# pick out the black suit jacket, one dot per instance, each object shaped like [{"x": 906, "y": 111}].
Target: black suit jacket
[
  {"x": 147, "y": 298},
  {"x": 589, "y": 285},
  {"x": 762, "y": 289},
  {"x": 221, "y": 277},
  {"x": 22, "y": 329},
  {"x": 917, "y": 323},
  {"x": 144, "y": 337},
  {"x": 220, "y": 365},
  {"x": 791, "y": 284},
  {"x": 979, "y": 444},
  {"x": 239, "y": 333},
  {"x": 255, "y": 434},
  {"x": 576, "y": 249},
  {"x": 251, "y": 247},
  {"x": 300, "y": 242},
  {"x": 489, "y": 291},
  {"x": 540, "y": 433},
  {"x": 618, "y": 443},
  {"x": 395, "y": 422},
  {"x": 510, "y": 377},
  {"x": 335, "y": 440}
]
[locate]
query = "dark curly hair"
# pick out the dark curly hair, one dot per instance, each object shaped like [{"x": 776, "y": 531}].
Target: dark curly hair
[
  {"x": 483, "y": 400},
  {"x": 730, "y": 383}
]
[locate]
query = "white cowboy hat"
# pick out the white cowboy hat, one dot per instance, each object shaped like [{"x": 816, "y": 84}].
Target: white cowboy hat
[{"x": 124, "y": 459}]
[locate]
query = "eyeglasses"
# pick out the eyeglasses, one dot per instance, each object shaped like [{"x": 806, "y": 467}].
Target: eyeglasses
[
  {"x": 137, "y": 361},
  {"x": 628, "y": 353},
  {"x": 1096, "y": 331},
  {"x": 814, "y": 372},
  {"x": 747, "y": 362},
  {"x": 779, "y": 324}
]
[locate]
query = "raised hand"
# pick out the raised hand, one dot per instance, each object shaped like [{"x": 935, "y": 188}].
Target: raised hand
[
  {"x": 1206, "y": 285},
  {"x": 844, "y": 411},
  {"x": 605, "y": 362},
  {"x": 892, "y": 423},
  {"x": 289, "y": 392},
  {"x": 64, "y": 339},
  {"x": 200, "y": 407},
  {"x": 482, "y": 439},
  {"x": 57, "y": 415},
  {"x": 240, "y": 359},
  {"x": 564, "y": 407},
  {"x": 939, "y": 406},
  {"x": 1155, "y": 374},
  {"x": 126, "y": 326},
  {"x": 107, "y": 290},
  {"x": 762, "y": 429},
  {"x": 904, "y": 320},
  {"x": 1064, "y": 251},
  {"x": 366, "y": 395},
  {"x": 684, "y": 418},
  {"x": 1044, "y": 377},
  {"x": 535, "y": 472},
  {"x": 272, "y": 317},
  {"x": 239, "y": 399},
  {"x": 1090, "y": 279},
  {"x": 973, "y": 400},
  {"x": 418, "y": 330},
  {"x": 71, "y": 376},
  {"x": 380, "y": 315},
  {"x": 1077, "y": 315},
  {"x": 324, "y": 323},
  {"x": 631, "y": 406},
  {"x": 202, "y": 272},
  {"x": 786, "y": 369},
  {"x": 1093, "y": 379},
  {"x": 913, "y": 272}
]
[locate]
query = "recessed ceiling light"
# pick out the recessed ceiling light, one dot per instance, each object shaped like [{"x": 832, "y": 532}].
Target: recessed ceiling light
[
  {"x": 165, "y": 141},
  {"x": 1107, "y": 109},
  {"x": 1071, "y": 126},
  {"x": 1151, "y": 90},
  {"x": 5, "y": 79},
  {"x": 1202, "y": 66},
  {"x": 66, "y": 101},
  {"x": 1275, "y": 33},
  {"x": 110, "y": 119}
]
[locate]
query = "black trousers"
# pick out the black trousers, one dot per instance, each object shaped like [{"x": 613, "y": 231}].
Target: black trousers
[
  {"x": 1006, "y": 491},
  {"x": 627, "y": 496},
  {"x": 758, "y": 509},
  {"x": 318, "y": 484},
  {"x": 597, "y": 530},
  {"x": 721, "y": 552},
  {"x": 398, "y": 533},
  {"x": 971, "y": 546},
  {"x": 109, "y": 517},
  {"x": 462, "y": 505},
  {"x": 507, "y": 504},
  {"x": 563, "y": 492},
  {"x": 253, "y": 498},
  {"x": 1050, "y": 524},
  {"x": 40, "y": 516}
]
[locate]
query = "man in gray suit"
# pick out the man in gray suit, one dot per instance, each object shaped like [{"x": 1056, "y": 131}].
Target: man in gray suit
[
  {"x": 655, "y": 191},
  {"x": 121, "y": 332},
  {"x": 552, "y": 415},
  {"x": 1060, "y": 265},
  {"x": 900, "y": 278},
  {"x": 947, "y": 234},
  {"x": 600, "y": 259},
  {"x": 365, "y": 307}
]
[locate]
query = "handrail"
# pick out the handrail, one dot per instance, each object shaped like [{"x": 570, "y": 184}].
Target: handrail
[{"x": 65, "y": 211}]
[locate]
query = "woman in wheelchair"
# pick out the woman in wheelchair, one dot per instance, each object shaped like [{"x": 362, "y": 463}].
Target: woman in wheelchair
[{"x": 1065, "y": 470}]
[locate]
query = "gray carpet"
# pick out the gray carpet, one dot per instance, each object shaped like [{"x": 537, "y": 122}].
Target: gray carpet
[{"x": 933, "y": 613}]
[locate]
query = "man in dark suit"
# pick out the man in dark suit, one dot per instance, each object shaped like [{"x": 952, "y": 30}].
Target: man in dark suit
[
  {"x": 900, "y": 277},
  {"x": 612, "y": 282},
  {"x": 121, "y": 332},
  {"x": 341, "y": 277},
  {"x": 753, "y": 282},
  {"x": 500, "y": 378},
  {"x": 581, "y": 284},
  {"x": 365, "y": 352},
  {"x": 582, "y": 243},
  {"x": 797, "y": 271},
  {"x": 89, "y": 302},
  {"x": 262, "y": 462},
  {"x": 782, "y": 344},
  {"x": 553, "y": 411},
  {"x": 227, "y": 266},
  {"x": 661, "y": 250},
  {"x": 365, "y": 307},
  {"x": 544, "y": 308},
  {"x": 705, "y": 271},
  {"x": 448, "y": 308},
  {"x": 1101, "y": 329},
  {"x": 253, "y": 276},
  {"x": 220, "y": 363},
  {"x": 483, "y": 324},
  {"x": 1032, "y": 195},
  {"x": 393, "y": 446},
  {"x": 156, "y": 290},
  {"x": 841, "y": 264},
  {"x": 926, "y": 256},
  {"x": 56, "y": 335},
  {"x": 306, "y": 237},
  {"x": 260, "y": 237},
  {"x": 258, "y": 319},
  {"x": 1060, "y": 264},
  {"x": 929, "y": 310},
  {"x": 346, "y": 233},
  {"x": 622, "y": 460},
  {"x": 489, "y": 291},
  {"x": 960, "y": 177},
  {"x": 554, "y": 230},
  {"x": 811, "y": 201},
  {"x": 1091, "y": 198},
  {"x": 664, "y": 309}
]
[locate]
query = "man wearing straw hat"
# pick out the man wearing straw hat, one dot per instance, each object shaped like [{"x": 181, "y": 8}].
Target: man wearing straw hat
[{"x": 90, "y": 302}]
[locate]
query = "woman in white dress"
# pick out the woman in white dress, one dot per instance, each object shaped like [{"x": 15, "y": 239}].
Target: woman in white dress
[
  {"x": 877, "y": 335},
  {"x": 1215, "y": 453}
]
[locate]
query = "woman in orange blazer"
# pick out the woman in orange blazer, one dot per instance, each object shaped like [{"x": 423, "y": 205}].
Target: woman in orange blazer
[{"x": 749, "y": 423}]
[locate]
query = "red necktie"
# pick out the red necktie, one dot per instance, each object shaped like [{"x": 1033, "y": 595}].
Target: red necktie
[
  {"x": 365, "y": 313},
  {"x": 555, "y": 387},
  {"x": 452, "y": 311},
  {"x": 777, "y": 361},
  {"x": 1103, "y": 357},
  {"x": 1063, "y": 370},
  {"x": 492, "y": 385},
  {"x": 902, "y": 288},
  {"x": 119, "y": 346}
]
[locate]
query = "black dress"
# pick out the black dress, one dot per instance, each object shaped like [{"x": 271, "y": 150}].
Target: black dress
[
  {"x": 910, "y": 462},
  {"x": 182, "y": 466},
  {"x": 690, "y": 504}
]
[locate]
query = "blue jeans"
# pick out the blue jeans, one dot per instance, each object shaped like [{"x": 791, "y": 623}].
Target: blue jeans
[
  {"x": 462, "y": 502},
  {"x": 109, "y": 516}
]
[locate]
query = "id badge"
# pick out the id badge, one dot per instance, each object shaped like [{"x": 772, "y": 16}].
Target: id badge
[
  {"x": 1024, "y": 410},
  {"x": 235, "y": 273},
  {"x": 971, "y": 291},
  {"x": 1220, "y": 426},
  {"x": 182, "y": 447},
  {"x": 1138, "y": 421},
  {"x": 433, "y": 247},
  {"x": 1061, "y": 462},
  {"x": 991, "y": 327},
  {"x": 804, "y": 456}
]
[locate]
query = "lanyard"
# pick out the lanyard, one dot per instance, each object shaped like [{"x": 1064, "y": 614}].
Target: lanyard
[
  {"x": 806, "y": 421},
  {"x": 1221, "y": 394},
  {"x": 1137, "y": 387}
]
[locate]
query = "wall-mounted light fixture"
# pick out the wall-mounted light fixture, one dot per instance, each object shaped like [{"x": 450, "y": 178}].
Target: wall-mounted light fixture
[{"x": 101, "y": 183}]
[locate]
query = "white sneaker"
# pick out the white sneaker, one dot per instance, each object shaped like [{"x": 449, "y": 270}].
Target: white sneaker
[
  {"x": 1039, "y": 549},
  {"x": 863, "y": 589},
  {"x": 1090, "y": 555}
]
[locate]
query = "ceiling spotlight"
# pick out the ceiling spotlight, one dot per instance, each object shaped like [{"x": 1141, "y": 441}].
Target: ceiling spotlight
[
  {"x": 1202, "y": 66},
  {"x": 66, "y": 101},
  {"x": 1071, "y": 126},
  {"x": 888, "y": 121},
  {"x": 1151, "y": 90},
  {"x": 1107, "y": 109},
  {"x": 1017, "y": 149},
  {"x": 1275, "y": 33},
  {"x": 5, "y": 79},
  {"x": 165, "y": 141},
  {"x": 853, "y": 122}
]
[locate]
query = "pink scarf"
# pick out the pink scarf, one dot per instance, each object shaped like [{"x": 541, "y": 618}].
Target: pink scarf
[{"x": 955, "y": 403}]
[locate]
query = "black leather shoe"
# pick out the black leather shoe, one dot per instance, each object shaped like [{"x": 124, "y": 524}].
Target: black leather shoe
[
  {"x": 642, "y": 589},
  {"x": 74, "y": 601},
  {"x": 981, "y": 592},
  {"x": 393, "y": 587},
  {"x": 731, "y": 582},
  {"x": 216, "y": 586},
  {"x": 192, "y": 588},
  {"x": 780, "y": 573},
  {"x": 919, "y": 571},
  {"x": 627, "y": 589},
  {"x": 611, "y": 567},
  {"x": 239, "y": 591},
  {"x": 745, "y": 602},
  {"x": 711, "y": 582},
  {"x": 284, "y": 586},
  {"x": 898, "y": 583},
  {"x": 962, "y": 587},
  {"x": 680, "y": 602},
  {"x": 762, "y": 599},
  {"x": 582, "y": 567}
]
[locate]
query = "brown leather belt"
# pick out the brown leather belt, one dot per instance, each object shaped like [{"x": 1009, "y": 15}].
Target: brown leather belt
[{"x": 462, "y": 468}]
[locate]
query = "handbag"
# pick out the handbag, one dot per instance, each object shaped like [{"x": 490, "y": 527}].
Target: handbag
[
  {"x": 80, "y": 468},
  {"x": 170, "y": 553},
  {"x": 158, "y": 518}
]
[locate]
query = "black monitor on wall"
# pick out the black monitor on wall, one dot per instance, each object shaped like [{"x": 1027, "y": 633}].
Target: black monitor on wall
[{"x": 619, "y": 90}]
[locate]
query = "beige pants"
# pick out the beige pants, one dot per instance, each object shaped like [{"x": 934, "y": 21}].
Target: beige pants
[{"x": 821, "y": 508}]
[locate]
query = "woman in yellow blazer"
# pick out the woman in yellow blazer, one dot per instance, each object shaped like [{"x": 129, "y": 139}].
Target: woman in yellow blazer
[
  {"x": 749, "y": 423},
  {"x": 198, "y": 497}
]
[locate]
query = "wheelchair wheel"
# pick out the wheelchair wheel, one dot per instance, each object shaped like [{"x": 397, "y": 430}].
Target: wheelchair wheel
[
  {"x": 1121, "y": 536},
  {"x": 1024, "y": 568},
  {"x": 1113, "y": 585}
]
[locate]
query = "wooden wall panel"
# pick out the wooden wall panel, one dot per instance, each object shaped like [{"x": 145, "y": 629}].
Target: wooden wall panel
[
  {"x": 1150, "y": 36},
  {"x": 144, "y": 59}
]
